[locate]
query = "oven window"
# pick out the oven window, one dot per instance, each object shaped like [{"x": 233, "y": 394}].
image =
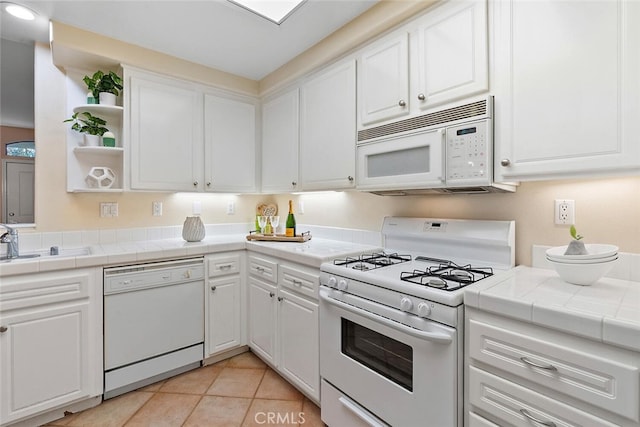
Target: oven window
[{"x": 386, "y": 356}]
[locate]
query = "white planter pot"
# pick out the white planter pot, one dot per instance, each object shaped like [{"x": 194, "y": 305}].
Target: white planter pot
[
  {"x": 107, "y": 98},
  {"x": 91, "y": 140}
]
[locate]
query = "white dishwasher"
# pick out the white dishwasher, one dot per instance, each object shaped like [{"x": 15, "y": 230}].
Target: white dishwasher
[{"x": 153, "y": 322}]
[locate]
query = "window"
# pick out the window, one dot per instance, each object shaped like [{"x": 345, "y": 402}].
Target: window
[
  {"x": 274, "y": 11},
  {"x": 21, "y": 149}
]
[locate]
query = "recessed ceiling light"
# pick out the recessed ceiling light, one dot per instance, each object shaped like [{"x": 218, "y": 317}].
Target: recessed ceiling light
[
  {"x": 273, "y": 10},
  {"x": 19, "y": 11}
]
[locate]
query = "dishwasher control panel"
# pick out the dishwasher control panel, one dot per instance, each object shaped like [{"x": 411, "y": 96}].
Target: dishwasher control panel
[{"x": 142, "y": 276}]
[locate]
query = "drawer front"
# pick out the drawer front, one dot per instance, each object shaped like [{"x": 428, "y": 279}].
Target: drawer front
[
  {"x": 338, "y": 410},
  {"x": 518, "y": 406},
  {"x": 476, "y": 420},
  {"x": 300, "y": 280},
  {"x": 38, "y": 289},
  {"x": 605, "y": 383},
  {"x": 263, "y": 268},
  {"x": 222, "y": 265}
]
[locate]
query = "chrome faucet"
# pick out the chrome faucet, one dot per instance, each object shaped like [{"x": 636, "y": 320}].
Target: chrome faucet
[{"x": 11, "y": 238}]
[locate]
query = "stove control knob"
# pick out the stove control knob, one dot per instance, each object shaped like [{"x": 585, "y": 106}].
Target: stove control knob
[
  {"x": 423, "y": 309},
  {"x": 342, "y": 285},
  {"x": 406, "y": 304},
  {"x": 332, "y": 282}
]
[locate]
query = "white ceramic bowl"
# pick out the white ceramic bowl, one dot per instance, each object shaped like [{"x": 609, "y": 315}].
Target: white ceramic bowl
[
  {"x": 594, "y": 251},
  {"x": 582, "y": 261},
  {"x": 582, "y": 274}
]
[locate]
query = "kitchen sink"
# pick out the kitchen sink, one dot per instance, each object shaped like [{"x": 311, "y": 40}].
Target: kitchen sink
[{"x": 46, "y": 253}]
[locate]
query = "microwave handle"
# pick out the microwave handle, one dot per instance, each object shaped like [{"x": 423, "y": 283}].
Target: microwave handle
[{"x": 443, "y": 141}]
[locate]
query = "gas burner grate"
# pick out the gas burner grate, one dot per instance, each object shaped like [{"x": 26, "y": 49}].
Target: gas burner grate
[
  {"x": 373, "y": 260},
  {"x": 447, "y": 276}
]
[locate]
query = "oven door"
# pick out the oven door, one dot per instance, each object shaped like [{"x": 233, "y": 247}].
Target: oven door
[
  {"x": 403, "y": 375},
  {"x": 403, "y": 162}
]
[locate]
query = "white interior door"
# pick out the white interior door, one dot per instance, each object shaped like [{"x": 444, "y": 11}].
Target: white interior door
[{"x": 19, "y": 191}]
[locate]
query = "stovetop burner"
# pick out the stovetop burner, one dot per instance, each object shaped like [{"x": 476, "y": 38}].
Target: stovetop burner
[
  {"x": 447, "y": 276},
  {"x": 372, "y": 261}
]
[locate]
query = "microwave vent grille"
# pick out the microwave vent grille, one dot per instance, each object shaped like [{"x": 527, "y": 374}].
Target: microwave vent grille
[{"x": 460, "y": 112}]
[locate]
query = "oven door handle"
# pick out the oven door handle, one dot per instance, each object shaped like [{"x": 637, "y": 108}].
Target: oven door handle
[
  {"x": 436, "y": 337},
  {"x": 359, "y": 412}
]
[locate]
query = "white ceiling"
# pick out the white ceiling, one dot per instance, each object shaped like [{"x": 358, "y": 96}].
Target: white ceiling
[{"x": 214, "y": 33}]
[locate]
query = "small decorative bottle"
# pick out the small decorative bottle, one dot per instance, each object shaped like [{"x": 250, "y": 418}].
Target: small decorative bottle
[
  {"x": 193, "y": 229},
  {"x": 108, "y": 139}
]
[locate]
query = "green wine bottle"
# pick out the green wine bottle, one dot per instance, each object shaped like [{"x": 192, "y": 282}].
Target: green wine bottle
[{"x": 290, "y": 230}]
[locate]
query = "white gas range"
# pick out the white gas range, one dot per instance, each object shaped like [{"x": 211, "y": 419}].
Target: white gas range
[{"x": 391, "y": 323}]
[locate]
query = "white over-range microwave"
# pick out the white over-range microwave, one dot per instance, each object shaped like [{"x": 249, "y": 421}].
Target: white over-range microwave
[{"x": 446, "y": 151}]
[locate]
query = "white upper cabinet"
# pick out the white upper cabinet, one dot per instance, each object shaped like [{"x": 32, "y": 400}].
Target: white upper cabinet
[
  {"x": 280, "y": 135},
  {"x": 452, "y": 54},
  {"x": 165, "y": 134},
  {"x": 187, "y": 137},
  {"x": 328, "y": 129},
  {"x": 439, "y": 57},
  {"x": 383, "y": 79},
  {"x": 230, "y": 144},
  {"x": 567, "y": 94}
]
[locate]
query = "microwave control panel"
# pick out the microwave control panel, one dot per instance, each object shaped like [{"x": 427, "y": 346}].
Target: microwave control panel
[{"x": 468, "y": 153}]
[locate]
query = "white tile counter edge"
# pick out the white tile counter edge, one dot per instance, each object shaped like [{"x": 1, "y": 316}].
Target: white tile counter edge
[
  {"x": 607, "y": 311},
  {"x": 125, "y": 246}
]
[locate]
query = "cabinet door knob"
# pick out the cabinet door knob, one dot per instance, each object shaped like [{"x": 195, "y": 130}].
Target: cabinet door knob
[
  {"x": 402, "y": 103},
  {"x": 195, "y": 183},
  {"x": 280, "y": 298},
  {"x": 294, "y": 183},
  {"x": 505, "y": 162},
  {"x": 271, "y": 295},
  {"x": 209, "y": 184},
  {"x": 350, "y": 178},
  {"x": 3, "y": 329},
  {"x": 421, "y": 97},
  {"x": 213, "y": 288}
]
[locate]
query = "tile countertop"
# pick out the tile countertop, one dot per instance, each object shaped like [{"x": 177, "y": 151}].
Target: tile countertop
[
  {"x": 607, "y": 311},
  {"x": 311, "y": 253}
]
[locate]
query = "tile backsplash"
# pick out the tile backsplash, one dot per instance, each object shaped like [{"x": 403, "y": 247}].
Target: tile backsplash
[{"x": 33, "y": 241}]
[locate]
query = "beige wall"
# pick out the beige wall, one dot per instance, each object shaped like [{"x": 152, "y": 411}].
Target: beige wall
[{"x": 607, "y": 209}]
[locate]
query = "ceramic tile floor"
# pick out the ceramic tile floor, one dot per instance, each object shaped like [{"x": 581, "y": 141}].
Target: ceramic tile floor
[{"x": 240, "y": 391}]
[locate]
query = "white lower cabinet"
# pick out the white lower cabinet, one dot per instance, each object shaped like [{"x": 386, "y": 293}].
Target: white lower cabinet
[
  {"x": 50, "y": 342},
  {"x": 225, "y": 308},
  {"x": 283, "y": 320},
  {"x": 520, "y": 374}
]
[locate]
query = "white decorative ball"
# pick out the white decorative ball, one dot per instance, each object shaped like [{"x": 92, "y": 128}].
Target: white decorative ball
[{"x": 101, "y": 177}]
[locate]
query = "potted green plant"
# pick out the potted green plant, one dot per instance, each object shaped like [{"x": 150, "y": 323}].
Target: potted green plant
[
  {"x": 104, "y": 86},
  {"x": 91, "y": 126}
]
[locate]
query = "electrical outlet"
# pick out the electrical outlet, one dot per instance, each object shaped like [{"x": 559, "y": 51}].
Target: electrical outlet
[
  {"x": 231, "y": 208},
  {"x": 565, "y": 212},
  {"x": 156, "y": 208},
  {"x": 105, "y": 210},
  {"x": 108, "y": 209},
  {"x": 300, "y": 207}
]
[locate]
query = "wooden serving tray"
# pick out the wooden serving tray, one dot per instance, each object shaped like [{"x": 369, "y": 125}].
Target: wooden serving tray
[{"x": 304, "y": 237}]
